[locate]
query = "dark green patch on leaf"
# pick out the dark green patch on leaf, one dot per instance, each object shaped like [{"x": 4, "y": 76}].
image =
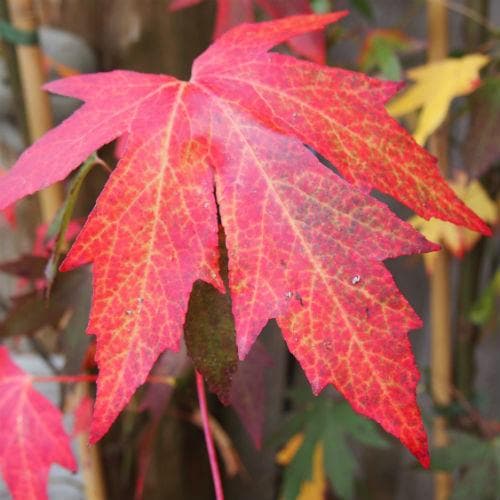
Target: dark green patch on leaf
[{"x": 209, "y": 333}]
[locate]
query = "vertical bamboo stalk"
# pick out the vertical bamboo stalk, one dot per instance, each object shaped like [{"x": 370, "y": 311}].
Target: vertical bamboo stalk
[
  {"x": 9, "y": 52},
  {"x": 90, "y": 459},
  {"x": 39, "y": 120},
  {"x": 441, "y": 352},
  {"x": 36, "y": 101}
]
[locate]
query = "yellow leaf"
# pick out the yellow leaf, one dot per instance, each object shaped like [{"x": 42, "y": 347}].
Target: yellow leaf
[
  {"x": 315, "y": 488},
  {"x": 457, "y": 240},
  {"x": 436, "y": 84}
]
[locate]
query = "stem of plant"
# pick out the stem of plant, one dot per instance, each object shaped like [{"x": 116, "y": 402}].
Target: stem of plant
[
  {"x": 37, "y": 105},
  {"x": 9, "y": 53},
  {"x": 212, "y": 456},
  {"x": 441, "y": 369},
  {"x": 73, "y": 379}
]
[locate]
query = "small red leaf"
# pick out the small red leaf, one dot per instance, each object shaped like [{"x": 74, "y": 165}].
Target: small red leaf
[{"x": 32, "y": 436}]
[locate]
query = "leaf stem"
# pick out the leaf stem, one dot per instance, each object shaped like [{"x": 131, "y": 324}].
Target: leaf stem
[
  {"x": 71, "y": 379},
  {"x": 440, "y": 313},
  {"x": 471, "y": 14},
  {"x": 214, "y": 466},
  {"x": 64, "y": 379}
]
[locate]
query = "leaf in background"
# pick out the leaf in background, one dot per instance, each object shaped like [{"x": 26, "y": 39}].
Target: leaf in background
[
  {"x": 486, "y": 306},
  {"x": 32, "y": 437},
  {"x": 62, "y": 228},
  {"x": 321, "y": 6},
  {"x": 230, "y": 13},
  {"x": 364, "y": 7},
  {"x": 343, "y": 425},
  {"x": 299, "y": 471},
  {"x": 170, "y": 365},
  {"x": 436, "y": 85},
  {"x": 380, "y": 52},
  {"x": 33, "y": 311},
  {"x": 78, "y": 292},
  {"x": 248, "y": 391},
  {"x": 340, "y": 464},
  {"x": 334, "y": 426},
  {"x": 481, "y": 147},
  {"x": 477, "y": 461},
  {"x": 313, "y": 489},
  {"x": 28, "y": 267},
  {"x": 304, "y": 245},
  {"x": 458, "y": 240},
  {"x": 30, "y": 313}
]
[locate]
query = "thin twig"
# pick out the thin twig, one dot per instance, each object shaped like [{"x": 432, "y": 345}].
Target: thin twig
[
  {"x": 473, "y": 15},
  {"x": 71, "y": 379},
  {"x": 212, "y": 456}
]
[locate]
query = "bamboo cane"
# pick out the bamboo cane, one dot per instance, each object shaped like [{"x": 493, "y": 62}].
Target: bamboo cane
[
  {"x": 37, "y": 104},
  {"x": 90, "y": 459},
  {"x": 39, "y": 121},
  {"x": 441, "y": 353}
]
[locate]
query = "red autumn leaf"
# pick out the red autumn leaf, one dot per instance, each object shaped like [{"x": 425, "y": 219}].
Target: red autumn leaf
[
  {"x": 230, "y": 13},
  {"x": 304, "y": 246},
  {"x": 32, "y": 436}
]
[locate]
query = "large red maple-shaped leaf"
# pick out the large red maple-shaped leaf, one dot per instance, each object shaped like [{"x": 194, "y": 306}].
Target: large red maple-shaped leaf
[
  {"x": 32, "y": 436},
  {"x": 230, "y": 13},
  {"x": 304, "y": 246}
]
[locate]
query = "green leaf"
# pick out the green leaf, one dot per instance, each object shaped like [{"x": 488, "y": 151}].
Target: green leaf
[
  {"x": 476, "y": 461},
  {"x": 340, "y": 463},
  {"x": 363, "y": 430},
  {"x": 363, "y": 6},
  {"x": 464, "y": 449},
  {"x": 291, "y": 426},
  {"x": 475, "y": 483},
  {"x": 321, "y": 6},
  {"x": 300, "y": 468},
  {"x": 334, "y": 424},
  {"x": 387, "y": 59},
  {"x": 485, "y": 307},
  {"x": 63, "y": 217},
  {"x": 496, "y": 454}
]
